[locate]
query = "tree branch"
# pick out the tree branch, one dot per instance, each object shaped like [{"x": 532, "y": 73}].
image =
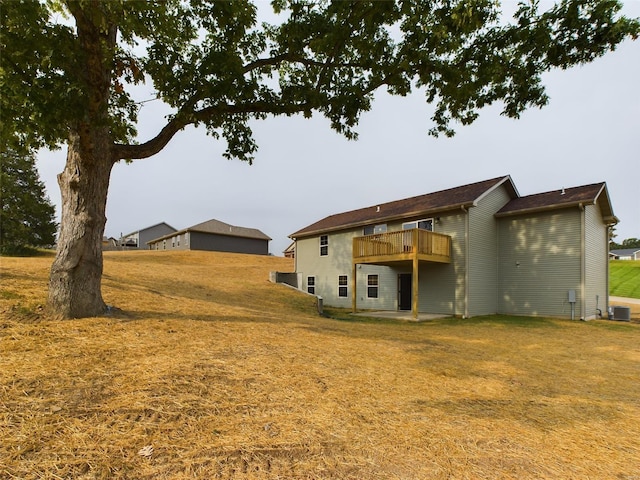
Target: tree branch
[{"x": 156, "y": 144}]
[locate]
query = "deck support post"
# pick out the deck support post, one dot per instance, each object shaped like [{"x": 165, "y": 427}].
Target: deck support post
[
  {"x": 414, "y": 277},
  {"x": 354, "y": 293}
]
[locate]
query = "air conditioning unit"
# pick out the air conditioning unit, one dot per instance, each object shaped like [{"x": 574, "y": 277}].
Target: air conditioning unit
[{"x": 622, "y": 313}]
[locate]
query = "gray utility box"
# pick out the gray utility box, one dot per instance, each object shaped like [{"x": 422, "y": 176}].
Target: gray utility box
[{"x": 620, "y": 313}]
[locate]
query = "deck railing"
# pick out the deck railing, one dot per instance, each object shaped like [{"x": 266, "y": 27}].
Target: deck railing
[{"x": 422, "y": 242}]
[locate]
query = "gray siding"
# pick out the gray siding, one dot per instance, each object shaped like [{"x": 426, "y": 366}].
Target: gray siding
[
  {"x": 596, "y": 263},
  {"x": 483, "y": 244},
  {"x": 212, "y": 242},
  {"x": 441, "y": 285},
  {"x": 539, "y": 262},
  {"x": 151, "y": 233},
  {"x": 227, "y": 243},
  {"x": 326, "y": 269}
]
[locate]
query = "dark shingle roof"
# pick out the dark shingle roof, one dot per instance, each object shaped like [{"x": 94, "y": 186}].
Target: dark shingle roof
[
  {"x": 149, "y": 228},
  {"x": 441, "y": 201},
  {"x": 624, "y": 251},
  {"x": 221, "y": 228},
  {"x": 564, "y": 198}
]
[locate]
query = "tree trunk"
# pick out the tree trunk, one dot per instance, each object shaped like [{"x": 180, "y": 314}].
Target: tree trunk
[{"x": 76, "y": 273}]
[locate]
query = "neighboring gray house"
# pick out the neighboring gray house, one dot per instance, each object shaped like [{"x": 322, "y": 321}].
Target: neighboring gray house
[
  {"x": 214, "y": 235},
  {"x": 625, "y": 254},
  {"x": 139, "y": 238},
  {"x": 471, "y": 250}
]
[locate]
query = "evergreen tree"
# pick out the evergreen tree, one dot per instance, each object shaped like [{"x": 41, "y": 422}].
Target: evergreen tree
[{"x": 27, "y": 217}]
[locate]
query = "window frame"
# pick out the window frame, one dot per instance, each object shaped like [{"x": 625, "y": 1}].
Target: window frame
[
  {"x": 416, "y": 224},
  {"x": 343, "y": 286},
  {"x": 324, "y": 245},
  {"x": 374, "y": 229},
  {"x": 373, "y": 285}
]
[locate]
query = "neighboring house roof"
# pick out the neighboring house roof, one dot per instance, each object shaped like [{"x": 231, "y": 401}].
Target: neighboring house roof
[
  {"x": 148, "y": 228},
  {"x": 625, "y": 252},
  {"x": 428, "y": 204},
  {"x": 290, "y": 249},
  {"x": 564, "y": 198},
  {"x": 219, "y": 228}
]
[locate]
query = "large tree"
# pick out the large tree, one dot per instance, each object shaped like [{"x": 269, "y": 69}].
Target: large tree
[
  {"x": 68, "y": 68},
  {"x": 27, "y": 217}
]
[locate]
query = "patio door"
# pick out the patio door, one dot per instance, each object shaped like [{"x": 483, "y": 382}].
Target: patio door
[{"x": 404, "y": 291}]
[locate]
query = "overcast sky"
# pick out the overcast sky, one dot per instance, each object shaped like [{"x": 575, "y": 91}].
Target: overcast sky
[{"x": 304, "y": 171}]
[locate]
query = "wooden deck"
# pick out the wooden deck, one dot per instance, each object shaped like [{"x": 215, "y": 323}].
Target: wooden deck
[{"x": 402, "y": 245}]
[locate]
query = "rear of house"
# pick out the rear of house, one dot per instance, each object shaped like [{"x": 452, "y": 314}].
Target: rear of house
[{"x": 543, "y": 254}]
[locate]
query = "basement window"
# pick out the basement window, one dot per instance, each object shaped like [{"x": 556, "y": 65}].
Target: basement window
[
  {"x": 372, "y": 286},
  {"x": 342, "y": 286},
  {"x": 311, "y": 285}
]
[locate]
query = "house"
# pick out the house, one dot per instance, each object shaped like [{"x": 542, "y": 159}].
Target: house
[
  {"x": 470, "y": 250},
  {"x": 290, "y": 251},
  {"x": 625, "y": 254},
  {"x": 139, "y": 238},
  {"x": 214, "y": 235},
  {"x": 109, "y": 243}
]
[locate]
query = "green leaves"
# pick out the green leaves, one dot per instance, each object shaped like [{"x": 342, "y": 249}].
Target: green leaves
[
  {"x": 214, "y": 64},
  {"x": 26, "y": 214}
]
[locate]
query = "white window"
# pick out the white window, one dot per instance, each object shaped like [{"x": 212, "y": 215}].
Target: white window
[
  {"x": 372, "y": 229},
  {"x": 324, "y": 245},
  {"x": 426, "y": 224},
  {"x": 342, "y": 286},
  {"x": 372, "y": 286}
]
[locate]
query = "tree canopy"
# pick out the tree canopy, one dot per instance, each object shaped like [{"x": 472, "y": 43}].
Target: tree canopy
[
  {"x": 216, "y": 66},
  {"x": 70, "y": 68},
  {"x": 27, "y": 217}
]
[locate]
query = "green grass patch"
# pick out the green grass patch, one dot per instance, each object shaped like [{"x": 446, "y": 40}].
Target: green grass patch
[
  {"x": 9, "y": 295},
  {"x": 624, "y": 278}
]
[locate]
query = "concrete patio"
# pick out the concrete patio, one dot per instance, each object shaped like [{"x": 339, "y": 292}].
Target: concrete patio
[{"x": 405, "y": 315}]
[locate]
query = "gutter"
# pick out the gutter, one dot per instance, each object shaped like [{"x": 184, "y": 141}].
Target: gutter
[
  {"x": 369, "y": 221},
  {"x": 583, "y": 262}
]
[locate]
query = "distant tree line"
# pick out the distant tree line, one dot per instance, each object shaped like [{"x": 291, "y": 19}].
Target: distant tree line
[{"x": 627, "y": 243}]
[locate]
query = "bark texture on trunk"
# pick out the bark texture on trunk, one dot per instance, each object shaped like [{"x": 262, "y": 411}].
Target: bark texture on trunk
[{"x": 76, "y": 273}]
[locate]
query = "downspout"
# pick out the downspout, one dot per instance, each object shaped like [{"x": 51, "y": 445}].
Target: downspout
[
  {"x": 607, "y": 232},
  {"x": 466, "y": 262},
  {"x": 583, "y": 263}
]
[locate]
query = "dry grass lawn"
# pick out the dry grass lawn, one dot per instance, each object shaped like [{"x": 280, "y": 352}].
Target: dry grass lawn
[{"x": 210, "y": 371}]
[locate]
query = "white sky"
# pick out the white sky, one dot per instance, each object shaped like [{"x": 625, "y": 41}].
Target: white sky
[{"x": 304, "y": 171}]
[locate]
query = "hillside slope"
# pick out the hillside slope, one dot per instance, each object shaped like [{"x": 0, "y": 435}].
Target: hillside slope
[{"x": 209, "y": 371}]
